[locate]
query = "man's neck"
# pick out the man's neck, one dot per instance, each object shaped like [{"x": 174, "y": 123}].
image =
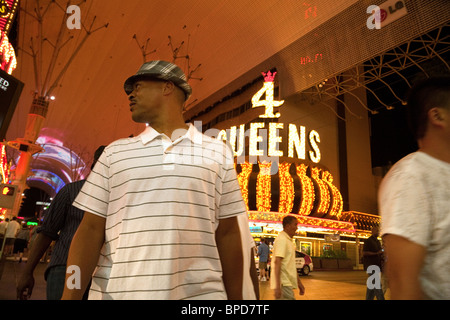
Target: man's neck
[
  {"x": 435, "y": 148},
  {"x": 173, "y": 129}
]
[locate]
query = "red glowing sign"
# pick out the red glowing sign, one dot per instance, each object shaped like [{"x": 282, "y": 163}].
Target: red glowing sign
[
  {"x": 8, "y": 9},
  {"x": 8, "y": 61},
  {"x": 316, "y": 58},
  {"x": 311, "y": 10}
]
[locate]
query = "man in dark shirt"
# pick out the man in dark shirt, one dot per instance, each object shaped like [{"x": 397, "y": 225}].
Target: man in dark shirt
[
  {"x": 373, "y": 256},
  {"x": 60, "y": 224},
  {"x": 263, "y": 254}
]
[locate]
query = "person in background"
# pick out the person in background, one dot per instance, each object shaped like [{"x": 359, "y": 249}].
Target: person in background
[
  {"x": 3, "y": 226},
  {"x": 373, "y": 256},
  {"x": 21, "y": 242},
  {"x": 10, "y": 236},
  {"x": 60, "y": 223},
  {"x": 263, "y": 254},
  {"x": 284, "y": 277},
  {"x": 414, "y": 200}
]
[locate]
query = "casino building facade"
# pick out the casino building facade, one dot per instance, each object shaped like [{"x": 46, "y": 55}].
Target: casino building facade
[
  {"x": 280, "y": 162},
  {"x": 299, "y": 125}
]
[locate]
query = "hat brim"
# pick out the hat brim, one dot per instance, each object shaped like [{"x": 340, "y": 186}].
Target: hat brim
[{"x": 129, "y": 83}]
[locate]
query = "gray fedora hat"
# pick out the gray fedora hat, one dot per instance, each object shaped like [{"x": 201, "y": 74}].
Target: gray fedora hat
[{"x": 163, "y": 70}]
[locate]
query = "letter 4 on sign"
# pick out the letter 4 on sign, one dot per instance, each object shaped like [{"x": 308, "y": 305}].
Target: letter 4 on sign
[
  {"x": 74, "y": 280},
  {"x": 374, "y": 280},
  {"x": 74, "y": 21}
]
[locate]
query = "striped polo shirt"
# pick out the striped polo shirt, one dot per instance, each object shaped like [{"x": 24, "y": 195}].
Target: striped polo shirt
[{"x": 162, "y": 201}]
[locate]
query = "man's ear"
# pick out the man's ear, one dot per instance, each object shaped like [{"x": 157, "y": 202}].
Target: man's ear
[
  {"x": 168, "y": 87},
  {"x": 436, "y": 115}
]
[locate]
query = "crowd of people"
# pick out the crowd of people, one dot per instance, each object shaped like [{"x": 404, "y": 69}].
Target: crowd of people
[{"x": 15, "y": 238}]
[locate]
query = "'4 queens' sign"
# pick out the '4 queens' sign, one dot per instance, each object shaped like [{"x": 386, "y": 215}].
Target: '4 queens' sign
[{"x": 264, "y": 142}]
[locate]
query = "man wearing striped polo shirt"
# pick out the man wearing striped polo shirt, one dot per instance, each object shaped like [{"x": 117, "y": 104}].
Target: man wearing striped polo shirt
[{"x": 162, "y": 208}]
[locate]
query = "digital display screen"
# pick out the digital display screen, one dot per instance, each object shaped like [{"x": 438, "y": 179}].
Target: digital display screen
[{"x": 10, "y": 90}]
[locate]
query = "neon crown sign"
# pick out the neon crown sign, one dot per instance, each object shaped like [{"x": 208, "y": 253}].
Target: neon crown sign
[{"x": 265, "y": 143}]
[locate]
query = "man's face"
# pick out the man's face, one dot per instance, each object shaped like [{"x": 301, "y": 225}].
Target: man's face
[
  {"x": 145, "y": 100},
  {"x": 291, "y": 228}
]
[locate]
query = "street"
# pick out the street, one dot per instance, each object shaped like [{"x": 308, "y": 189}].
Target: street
[
  {"x": 319, "y": 285},
  {"x": 327, "y": 285}
]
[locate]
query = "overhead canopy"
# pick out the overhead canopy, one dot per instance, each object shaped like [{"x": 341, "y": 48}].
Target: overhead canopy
[{"x": 224, "y": 40}]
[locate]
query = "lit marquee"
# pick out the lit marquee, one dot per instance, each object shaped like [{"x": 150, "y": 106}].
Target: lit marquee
[
  {"x": 282, "y": 187},
  {"x": 8, "y": 61},
  {"x": 243, "y": 178},
  {"x": 8, "y": 10},
  {"x": 4, "y": 167},
  {"x": 287, "y": 192},
  {"x": 296, "y": 188},
  {"x": 308, "y": 196},
  {"x": 265, "y": 141},
  {"x": 263, "y": 187}
]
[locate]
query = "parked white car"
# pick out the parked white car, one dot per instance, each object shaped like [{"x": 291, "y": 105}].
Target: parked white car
[{"x": 303, "y": 262}]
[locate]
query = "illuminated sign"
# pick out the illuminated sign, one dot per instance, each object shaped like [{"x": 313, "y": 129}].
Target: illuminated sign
[
  {"x": 8, "y": 191},
  {"x": 4, "y": 168},
  {"x": 10, "y": 90},
  {"x": 4, "y": 9},
  {"x": 307, "y": 59},
  {"x": 7, "y": 195},
  {"x": 263, "y": 141},
  {"x": 269, "y": 103},
  {"x": 282, "y": 187},
  {"x": 385, "y": 13},
  {"x": 256, "y": 229},
  {"x": 8, "y": 9},
  {"x": 8, "y": 61}
]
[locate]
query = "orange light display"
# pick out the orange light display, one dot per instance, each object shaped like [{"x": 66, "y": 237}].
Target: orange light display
[
  {"x": 307, "y": 200},
  {"x": 337, "y": 202},
  {"x": 324, "y": 193},
  {"x": 311, "y": 222},
  {"x": 289, "y": 197},
  {"x": 8, "y": 61},
  {"x": 4, "y": 168},
  {"x": 243, "y": 180},
  {"x": 286, "y": 188},
  {"x": 263, "y": 189},
  {"x": 286, "y": 185}
]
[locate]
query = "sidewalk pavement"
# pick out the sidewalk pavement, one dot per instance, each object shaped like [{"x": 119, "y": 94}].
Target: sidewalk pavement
[
  {"x": 319, "y": 285},
  {"x": 327, "y": 285},
  {"x": 9, "y": 273}
]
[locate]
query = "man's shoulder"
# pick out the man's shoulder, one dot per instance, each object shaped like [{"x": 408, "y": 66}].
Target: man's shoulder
[{"x": 413, "y": 164}]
